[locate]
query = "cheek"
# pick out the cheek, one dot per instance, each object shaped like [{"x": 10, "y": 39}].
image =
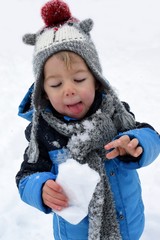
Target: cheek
[
  {"x": 54, "y": 99},
  {"x": 89, "y": 95},
  {"x": 57, "y": 105}
]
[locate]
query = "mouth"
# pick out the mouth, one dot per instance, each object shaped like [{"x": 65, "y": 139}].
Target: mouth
[{"x": 76, "y": 108}]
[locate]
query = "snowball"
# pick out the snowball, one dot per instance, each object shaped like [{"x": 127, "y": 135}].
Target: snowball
[{"x": 78, "y": 182}]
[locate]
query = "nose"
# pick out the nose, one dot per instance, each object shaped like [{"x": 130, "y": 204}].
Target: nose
[{"x": 69, "y": 90}]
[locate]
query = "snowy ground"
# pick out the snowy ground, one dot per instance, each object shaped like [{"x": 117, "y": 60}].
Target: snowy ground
[{"x": 127, "y": 35}]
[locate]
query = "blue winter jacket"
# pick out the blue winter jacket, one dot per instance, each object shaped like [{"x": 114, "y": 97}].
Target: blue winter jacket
[{"x": 122, "y": 174}]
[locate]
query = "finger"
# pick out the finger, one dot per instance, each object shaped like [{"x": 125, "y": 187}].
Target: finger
[
  {"x": 47, "y": 191},
  {"x": 115, "y": 153},
  {"x": 133, "y": 148},
  {"x": 120, "y": 142},
  {"x": 57, "y": 200},
  {"x": 133, "y": 143},
  {"x": 136, "y": 152},
  {"x": 54, "y": 186},
  {"x": 54, "y": 206},
  {"x": 139, "y": 151}
]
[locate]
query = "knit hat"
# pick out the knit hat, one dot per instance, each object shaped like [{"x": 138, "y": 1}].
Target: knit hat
[{"x": 62, "y": 32}]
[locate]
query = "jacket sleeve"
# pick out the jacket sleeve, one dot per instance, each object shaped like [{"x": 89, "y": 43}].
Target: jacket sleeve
[
  {"x": 30, "y": 190},
  {"x": 43, "y": 163},
  {"x": 149, "y": 140},
  {"x": 32, "y": 176}
]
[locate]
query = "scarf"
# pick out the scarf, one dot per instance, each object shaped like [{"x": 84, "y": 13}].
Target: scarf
[{"x": 86, "y": 145}]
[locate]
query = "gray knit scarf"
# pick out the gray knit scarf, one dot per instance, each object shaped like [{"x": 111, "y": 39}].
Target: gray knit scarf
[{"x": 86, "y": 145}]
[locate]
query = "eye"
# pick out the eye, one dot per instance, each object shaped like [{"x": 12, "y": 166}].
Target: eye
[
  {"x": 80, "y": 80},
  {"x": 55, "y": 85}
]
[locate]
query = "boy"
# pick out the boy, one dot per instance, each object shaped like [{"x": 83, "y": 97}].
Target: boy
[{"x": 77, "y": 114}]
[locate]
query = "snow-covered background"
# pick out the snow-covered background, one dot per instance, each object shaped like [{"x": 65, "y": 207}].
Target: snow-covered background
[{"x": 127, "y": 34}]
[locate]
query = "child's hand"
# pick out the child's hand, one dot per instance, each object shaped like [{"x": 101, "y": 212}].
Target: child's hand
[
  {"x": 123, "y": 146},
  {"x": 53, "y": 195}
]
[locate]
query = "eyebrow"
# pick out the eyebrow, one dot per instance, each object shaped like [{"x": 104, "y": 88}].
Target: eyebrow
[
  {"x": 81, "y": 70},
  {"x": 51, "y": 76},
  {"x": 57, "y": 76}
]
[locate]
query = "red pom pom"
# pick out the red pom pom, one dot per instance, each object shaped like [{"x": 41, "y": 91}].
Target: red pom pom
[{"x": 54, "y": 12}]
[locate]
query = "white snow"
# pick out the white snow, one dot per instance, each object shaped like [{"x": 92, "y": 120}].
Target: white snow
[
  {"x": 78, "y": 188},
  {"x": 127, "y": 35}
]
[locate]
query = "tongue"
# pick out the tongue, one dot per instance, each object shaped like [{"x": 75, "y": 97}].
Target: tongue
[{"x": 76, "y": 108}]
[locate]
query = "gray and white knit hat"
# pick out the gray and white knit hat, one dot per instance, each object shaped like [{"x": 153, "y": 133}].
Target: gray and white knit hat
[{"x": 62, "y": 32}]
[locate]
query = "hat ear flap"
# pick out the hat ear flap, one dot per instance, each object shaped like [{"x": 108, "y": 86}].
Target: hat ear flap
[
  {"x": 86, "y": 25},
  {"x": 29, "y": 39}
]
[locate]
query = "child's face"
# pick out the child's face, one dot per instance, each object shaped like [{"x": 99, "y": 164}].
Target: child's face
[{"x": 70, "y": 91}]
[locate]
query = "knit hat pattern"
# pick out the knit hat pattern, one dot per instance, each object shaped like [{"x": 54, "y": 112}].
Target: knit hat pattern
[{"x": 62, "y": 32}]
